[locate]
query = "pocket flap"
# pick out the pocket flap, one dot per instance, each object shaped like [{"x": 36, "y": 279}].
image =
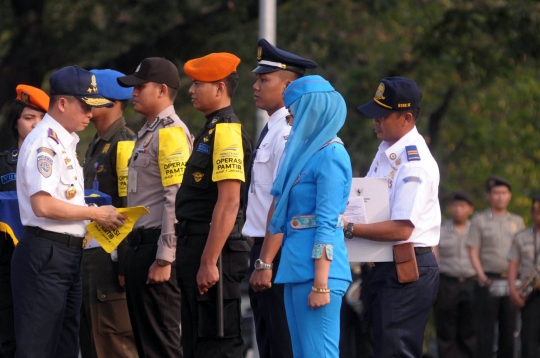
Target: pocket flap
[
  {"x": 237, "y": 245},
  {"x": 263, "y": 155},
  {"x": 110, "y": 293},
  {"x": 141, "y": 161},
  {"x": 403, "y": 253},
  {"x": 231, "y": 291}
]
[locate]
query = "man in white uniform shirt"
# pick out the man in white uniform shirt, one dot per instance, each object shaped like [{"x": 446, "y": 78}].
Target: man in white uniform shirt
[
  {"x": 276, "y": 69},
  {"x": 401, "y": 310},
  {"x": 46, "y": 265}
]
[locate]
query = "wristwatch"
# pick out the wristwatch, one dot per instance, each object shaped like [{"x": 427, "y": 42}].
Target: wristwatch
[
  {"x": 349, "y": 231},
  {"x": 162, "y": 263},
  {"x": 260, "y": 265}
]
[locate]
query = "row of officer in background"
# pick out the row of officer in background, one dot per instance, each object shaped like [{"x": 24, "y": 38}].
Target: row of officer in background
[{"x": 480, "y": 261}]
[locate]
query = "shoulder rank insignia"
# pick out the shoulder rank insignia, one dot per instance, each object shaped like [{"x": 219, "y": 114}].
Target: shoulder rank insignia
[
  {"x": 52, "y": 134},
  {"x": 412, "y": 153},
  {"x": 213, "y": 122},
  {"x": 167, "y": 121},
  {"x": 49, "y": 151}
]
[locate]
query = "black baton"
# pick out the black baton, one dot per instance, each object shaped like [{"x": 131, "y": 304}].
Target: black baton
[{"x": 219, "y": 311}]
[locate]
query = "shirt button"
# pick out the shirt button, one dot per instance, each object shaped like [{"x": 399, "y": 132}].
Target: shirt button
[{"x": 103, "y": 296}]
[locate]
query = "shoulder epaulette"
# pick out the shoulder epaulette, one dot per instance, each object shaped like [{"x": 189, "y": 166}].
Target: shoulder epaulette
[
  {"x": 166, "y": 121},
  {"x": 213, "y": 122},
  {"x": 412, "y": 153},
  {"x": 52, "y": 134}
]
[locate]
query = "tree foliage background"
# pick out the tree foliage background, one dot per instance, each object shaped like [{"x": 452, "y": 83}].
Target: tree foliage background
[{"x": 476, "y": 61}]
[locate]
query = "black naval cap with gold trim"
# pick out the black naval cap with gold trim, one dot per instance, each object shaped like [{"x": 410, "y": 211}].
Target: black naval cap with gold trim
[
  {"x": 79, "y": 83},
  {"x": 496, "y": 180},
  {"x": 272, "y": 59},
  {"x": 393, "y": 94}
]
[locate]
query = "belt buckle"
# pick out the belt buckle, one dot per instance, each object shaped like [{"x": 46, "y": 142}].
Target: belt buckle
[
  {"x": 84, "y": 242},
  {"x": 461, "y": 280}
]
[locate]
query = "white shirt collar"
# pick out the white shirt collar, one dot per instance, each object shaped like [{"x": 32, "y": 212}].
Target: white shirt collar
[
  {"x": 277, "y": 116},
  {"x": 66, "y": 138},
  {"x": 398, "y": 147}
]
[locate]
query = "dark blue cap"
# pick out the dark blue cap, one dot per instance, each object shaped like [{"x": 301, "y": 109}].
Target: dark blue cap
[
  {"x": 79, "y": 83},
  {"x": 109, "y": 87},
  {"x": 272, "y": 59},
  {"x": 394, "y": 94}
]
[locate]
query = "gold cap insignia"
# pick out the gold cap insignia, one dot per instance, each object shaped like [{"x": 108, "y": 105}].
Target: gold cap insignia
[
  {"x": 25, "y": 97},
  {"x": 380, "y": 91},
  {"x": 93, "y": 85},
  {"x": 259, "y": 53}
]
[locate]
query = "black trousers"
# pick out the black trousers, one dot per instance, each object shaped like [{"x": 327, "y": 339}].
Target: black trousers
[
  {"x": 46, "y": 283},
  {"x": 530, "y": 327},
  {"x": 105, "y": 326},
  {"x": 454, "y": 317},
  {"x": 154, "y": 310},
  {"x": 489, "y": 311},
  {"x": 199, "y": 323},
  {"x": 272, "y": 330},
  {"x": 401, "y": 310},
  {"x": 7, "y": 329}
]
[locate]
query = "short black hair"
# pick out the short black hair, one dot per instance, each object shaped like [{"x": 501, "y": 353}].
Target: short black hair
[
  {"x": 14, "y": 113},
  {"x": 231, "y": 83},
  {"x": 414, "y": 111},
  {"x": 172, "y": 93},
  {"x": 124, "y": 104}
]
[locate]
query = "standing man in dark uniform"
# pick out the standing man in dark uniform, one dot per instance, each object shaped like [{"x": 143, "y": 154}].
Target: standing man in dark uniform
[
  {"x": 523, "y": 260},
  {"x": 401, "y": 310},
  {"x": 207, "y": 208},
  {"x": 490, "y": 238},
  {"x": 24, "y": 114},
  {"x": 105, "y": 326},
  {"x": 155, "y": 173},
  {"x": 276, "y": 70},
  {"x": 46, "y": 265},
  {"x": 454, "y": 314}
]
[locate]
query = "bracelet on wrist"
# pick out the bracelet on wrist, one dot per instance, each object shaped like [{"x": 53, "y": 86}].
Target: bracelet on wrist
[{"x": 320, "y": 290}]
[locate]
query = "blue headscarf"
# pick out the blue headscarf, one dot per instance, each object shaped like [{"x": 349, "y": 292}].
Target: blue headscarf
[{"x": 319, "y": 113}]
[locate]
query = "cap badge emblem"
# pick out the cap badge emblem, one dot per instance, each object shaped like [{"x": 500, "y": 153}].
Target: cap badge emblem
[
  {"x": 93, "y": 85},
  {"x": 25, "y": 97},
  {"x": 380, "y": 92},
  {"x": 259, "y": 53}
]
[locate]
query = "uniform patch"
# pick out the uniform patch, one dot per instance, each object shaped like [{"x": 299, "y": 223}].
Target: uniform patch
[
  {"x": 167, "y": 121},
  {"x": 106, "y": 148},
  {"x": 147, "y": 140},
  {"x": 44, "y": 164},
  {"x": 412, "y": 153},
  {"x": 198, "y": 176},
  {"x": 52, "y": 134},
  {"x": 412, "y": 180},
  {"x": 46, "y": 150},
  {"x": 69, "y": 167},
  {"x": 203, "y": 148},
  {"x": 100, "y": 168},
  {"x": 9, "y": 177},
  {"x": 67, "y": 160}
]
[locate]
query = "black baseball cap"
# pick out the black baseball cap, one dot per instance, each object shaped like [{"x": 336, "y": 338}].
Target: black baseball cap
[
  {"x": 153, "y": 69},
  {"x": 496, "y": 180},
  {"x": 79, "y": 83},
  {"x": 463, "y": 196},
  {"x": 273, "y": 59},
  {"x": 393, "y": 94}
]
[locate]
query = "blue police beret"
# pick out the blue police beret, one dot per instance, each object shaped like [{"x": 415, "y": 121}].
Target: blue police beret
[
  {"x": 304, "y": 85},
  {"x": 109, "y": 87},
  {"x": 272, "y": 59},
  {"x": 79, "y": 83},
  {"x": 393, "y": 94}
]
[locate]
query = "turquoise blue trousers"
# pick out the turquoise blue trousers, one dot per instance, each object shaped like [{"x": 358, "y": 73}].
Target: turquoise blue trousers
[{"x": 314, "y": 332}]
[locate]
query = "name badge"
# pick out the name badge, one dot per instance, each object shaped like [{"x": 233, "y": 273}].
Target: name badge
[{"x": 132, "y": 181}]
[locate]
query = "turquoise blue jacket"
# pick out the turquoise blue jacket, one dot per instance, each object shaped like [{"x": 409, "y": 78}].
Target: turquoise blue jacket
[{"x": 321, "y": 189}]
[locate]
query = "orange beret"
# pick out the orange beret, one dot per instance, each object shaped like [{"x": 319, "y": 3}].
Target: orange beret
[
  {"x": 212, "y": 67},
  {"x": 32, "y": 97}
]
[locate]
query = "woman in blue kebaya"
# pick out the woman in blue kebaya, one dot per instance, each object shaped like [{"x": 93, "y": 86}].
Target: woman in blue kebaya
[{"x": 311, "y": 192}]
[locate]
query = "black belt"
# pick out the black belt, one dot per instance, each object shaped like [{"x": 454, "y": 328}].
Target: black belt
[
  {"x": 65, "y": 239},
  {"x": 495, "y": 275},
  {"x": 257, "y": 240},
  {"x": 460, "y": 279},
  {"x": 422, "y": 250},
  {"x": 143, "y": 236}
]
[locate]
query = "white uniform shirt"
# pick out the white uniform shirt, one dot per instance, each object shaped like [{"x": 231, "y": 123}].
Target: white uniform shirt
[
  {"x": 48, "y": 162},
  {"x": 413, "y": 186},
  {"x": 264, "y": 173}
]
